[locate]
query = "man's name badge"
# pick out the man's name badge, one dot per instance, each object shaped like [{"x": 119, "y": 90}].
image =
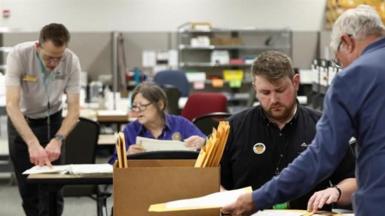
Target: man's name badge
[
  {"x": 176, "y": 136},
  {"x": 259, "y": 148},
  {"x": 29, "y": 78}
]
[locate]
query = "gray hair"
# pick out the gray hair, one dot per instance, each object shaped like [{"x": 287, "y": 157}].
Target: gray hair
[
  {"x": 153, "y": 93},
  {"x": 358, "y": 22},
  {"x": 273, "y": 65}
]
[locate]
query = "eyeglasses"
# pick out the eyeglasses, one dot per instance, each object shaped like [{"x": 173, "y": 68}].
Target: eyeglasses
[
  {"x": 48, "y": 58},
  {"x": 335, "y": 61},
  {"x": 51, "y": 59},
  {"x": 140, "y": 107}
]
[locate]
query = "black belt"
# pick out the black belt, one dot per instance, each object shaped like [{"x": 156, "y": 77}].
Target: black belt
[{"x": 53, "y": 118}]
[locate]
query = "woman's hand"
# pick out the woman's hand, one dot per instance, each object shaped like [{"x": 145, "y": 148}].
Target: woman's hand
[
  {"x": 135, "y": 148},
  {"x": 195, "y": 142}
]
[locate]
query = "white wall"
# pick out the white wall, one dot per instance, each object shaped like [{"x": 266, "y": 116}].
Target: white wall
[{"x": 162, "y": 15}]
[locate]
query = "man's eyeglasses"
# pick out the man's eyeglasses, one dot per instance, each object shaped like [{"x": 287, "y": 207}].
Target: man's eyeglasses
[
  {"x": 50, "y": 59},
  {"x": 140, "y": 107},
  {"x": 335, "y": 61},
  {"x": 47, "y": 58}
]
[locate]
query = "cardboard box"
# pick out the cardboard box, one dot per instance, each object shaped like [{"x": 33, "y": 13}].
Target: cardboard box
[{"x": 147, "y": 182}]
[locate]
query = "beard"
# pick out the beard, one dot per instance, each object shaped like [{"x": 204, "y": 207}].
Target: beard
[{"x": 280, "y": 112}]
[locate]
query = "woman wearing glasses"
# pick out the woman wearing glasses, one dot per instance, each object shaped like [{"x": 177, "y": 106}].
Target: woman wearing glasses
[{"x": 149, "y": 104}]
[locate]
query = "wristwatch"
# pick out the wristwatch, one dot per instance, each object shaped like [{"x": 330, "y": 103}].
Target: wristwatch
[{"x": 59, "y": 137}]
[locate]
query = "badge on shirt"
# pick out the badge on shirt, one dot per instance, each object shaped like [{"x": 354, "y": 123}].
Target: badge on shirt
[
  {"x": 304, "y": 145},
  {"x": 176, "y": 136},
  {"x": 29, "y": 78},
  {"x": 259, "y": 148},
  {"x": 59, "y": 75}
]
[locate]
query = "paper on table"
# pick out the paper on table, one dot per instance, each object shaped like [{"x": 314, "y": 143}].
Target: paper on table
[
  {"x": 71, "y": 169},
  {"x": 292, "y": 212},
  {"x": 280, "y": 213},
  {"x": 90, "y": 168},
  {"x": 47, "y": 169},
  {"x": 214, "y": 200},
  {"x": 161, "y": 145},
  {"x": 111, "y": 112}
]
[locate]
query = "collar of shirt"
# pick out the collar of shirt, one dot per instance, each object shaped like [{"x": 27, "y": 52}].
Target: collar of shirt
[
  {"x": 380, "y": 43},
  {"x": 144, "y": 132}
]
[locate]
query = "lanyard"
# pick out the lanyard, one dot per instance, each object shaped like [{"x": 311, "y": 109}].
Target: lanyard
[{"x": 45, "y": 78}]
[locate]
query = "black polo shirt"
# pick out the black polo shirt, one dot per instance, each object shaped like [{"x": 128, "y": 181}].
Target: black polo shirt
[{"x": 257, "y": 150}]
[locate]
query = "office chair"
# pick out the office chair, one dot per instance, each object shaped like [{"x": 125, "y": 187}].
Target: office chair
[
  {"x": 201, "y": 103},
  {"x": 173, "y": 95},
  {"x": 207, "y": 122},
  {"x": 176, "y": 78},
  {"x": 80, "y": 148},
  {"x": 159, "y": 155}
]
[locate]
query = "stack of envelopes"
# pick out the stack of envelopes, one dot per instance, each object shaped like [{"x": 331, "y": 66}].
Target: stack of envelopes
[
  {"x": 121, "y": 151},
  {"x": 211, "y": 153}
]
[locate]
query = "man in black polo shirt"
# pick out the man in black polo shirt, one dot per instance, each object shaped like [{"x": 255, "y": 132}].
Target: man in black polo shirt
[{"x": 264, "y": 139}]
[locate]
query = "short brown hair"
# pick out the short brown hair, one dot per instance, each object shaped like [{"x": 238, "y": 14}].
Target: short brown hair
[
  {"x": 55, "y": 32},
  {"x": 153, "y": 93},
  {"x": 272, "y": 65}
]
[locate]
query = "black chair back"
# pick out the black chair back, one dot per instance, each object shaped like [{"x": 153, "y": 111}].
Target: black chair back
[
  {"x": 80, "y": 148},
  {"x": 173, "y": 95},
  {"x": 207, "y": 122},
  {"x": 80, "y": 145}
]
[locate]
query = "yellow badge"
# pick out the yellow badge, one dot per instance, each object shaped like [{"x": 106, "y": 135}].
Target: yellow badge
[
  {"x": 30, "y": 78},
  {"x": 176, "y": 136},
  {"x": 259, "y": 148}
]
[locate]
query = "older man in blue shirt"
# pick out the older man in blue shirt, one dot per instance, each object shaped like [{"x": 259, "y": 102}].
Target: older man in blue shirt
[{"x": 354, "y": 106}]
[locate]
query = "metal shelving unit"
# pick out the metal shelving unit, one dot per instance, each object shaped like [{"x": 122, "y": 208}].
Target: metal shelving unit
[{"x": 242, "y": 46}]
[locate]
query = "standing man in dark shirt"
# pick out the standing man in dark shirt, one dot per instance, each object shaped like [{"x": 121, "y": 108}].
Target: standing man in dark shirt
[{"x": 266, "y": 138}]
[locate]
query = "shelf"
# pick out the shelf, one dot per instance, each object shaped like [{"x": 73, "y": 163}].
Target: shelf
[
  {"x": 225, "y": 30},
  {"x": 197, "y": 49},
  {"x": 208, "y": 64},
  {"x": 318, "y": 88},
  {"x": 225, "y": 81},
  {"x": 235, "y": 47}
]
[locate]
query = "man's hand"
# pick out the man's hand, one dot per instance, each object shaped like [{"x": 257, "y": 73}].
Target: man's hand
[
  {"x": 195, "y": 142},
  {"x": 37, "y": 155},
  {"x": 320, "y": 198},
  {"x": 53, "y": 149},
  {"x": 242, "y": 207}
]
